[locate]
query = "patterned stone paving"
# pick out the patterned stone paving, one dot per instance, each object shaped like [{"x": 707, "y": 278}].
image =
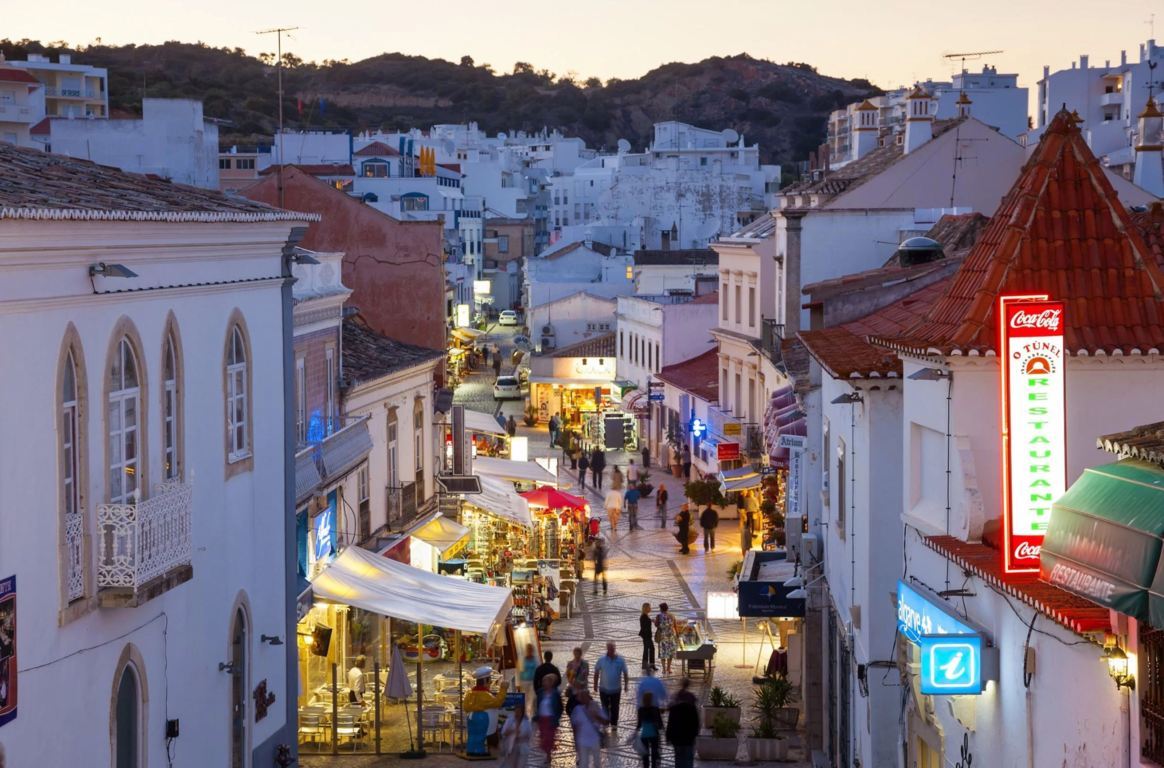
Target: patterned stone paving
[{"x": 644, "y": 566}]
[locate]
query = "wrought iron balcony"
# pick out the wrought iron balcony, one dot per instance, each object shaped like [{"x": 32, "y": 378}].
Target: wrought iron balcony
[
  {"x": 144, "y": 548},
  {"x": 75, "y": 546},
  {"x": 771, "y": 337}
]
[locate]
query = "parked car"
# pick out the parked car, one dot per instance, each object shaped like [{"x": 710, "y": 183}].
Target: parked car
[
  {"x": 506, "y": 388},
  {"x": 507, "y": 317}
]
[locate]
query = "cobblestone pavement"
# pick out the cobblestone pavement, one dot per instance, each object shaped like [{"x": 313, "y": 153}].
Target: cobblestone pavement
[
  {"x": 476, "y": 390},
  {"x": 644, "y": 566}
]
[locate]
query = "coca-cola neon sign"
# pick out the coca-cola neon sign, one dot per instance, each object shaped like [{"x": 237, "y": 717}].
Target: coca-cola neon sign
[{"x": 1034, "y": 442}]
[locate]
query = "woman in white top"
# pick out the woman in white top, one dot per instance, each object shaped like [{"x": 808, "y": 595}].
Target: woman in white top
[{"x": 515, "y": 740}]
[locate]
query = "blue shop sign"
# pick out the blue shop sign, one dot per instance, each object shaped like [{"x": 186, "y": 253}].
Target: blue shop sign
[
  {"x": 951, "y": 664},
  {"x": 323, "y": 525},
  {"x": 917, "y": 616}
]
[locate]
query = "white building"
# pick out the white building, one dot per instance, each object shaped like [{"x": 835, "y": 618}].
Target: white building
[
  {"x": 70, "y": 90},
  {"x": 172, "y": 140},
  {"x": 690, "y": 390},
  {"x": 579, "y": 266},
  {"x": 21, "y": 105},
  {"x": 675, "y": 271},
  {"x": 995, "y": 99},
  {"x": 689, "y": 186},
  {"x": 569, "y": 320},
  {"x": 390, "y": 385},
  {"x": 153, "y": 327},
  {"x": 1107, "y": 98},
  {"x": 311, "y": 148},
  {"x": 921, "y": 386}
]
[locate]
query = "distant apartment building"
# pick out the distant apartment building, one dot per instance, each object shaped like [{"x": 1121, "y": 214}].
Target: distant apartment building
[
  {"x": 995, "y": 99},
  {"x": 172, "y": 139},
  {"x": 689, "y": 186},
  {"x": 70, "y": 90},
  {"x": 21, "y": 105},
  {"x": 1108, "y": 99}
]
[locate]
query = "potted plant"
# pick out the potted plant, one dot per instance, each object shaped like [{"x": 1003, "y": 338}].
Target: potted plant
[
  {"x": 770, "y": 702},
  {"x": 644, "y": 485},
  {"x": 704, "y": 493},
  {"x": 721, "y": 704},
  {"x": 722, "y": 743},
  {"x": 734, "y": 569}
]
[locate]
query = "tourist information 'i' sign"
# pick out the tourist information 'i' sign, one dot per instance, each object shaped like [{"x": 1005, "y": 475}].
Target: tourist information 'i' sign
[{"x": 1034, "y": 445}]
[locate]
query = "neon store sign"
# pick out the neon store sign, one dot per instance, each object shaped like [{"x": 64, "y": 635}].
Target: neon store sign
[
  {"x": 1033, "y": 424},
  {"x": 954, "y": 656}
]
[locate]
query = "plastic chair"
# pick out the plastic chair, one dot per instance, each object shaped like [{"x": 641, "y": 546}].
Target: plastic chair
[
  {"x": 346, "y": 728},
  {"x": 311, "y": 727}
]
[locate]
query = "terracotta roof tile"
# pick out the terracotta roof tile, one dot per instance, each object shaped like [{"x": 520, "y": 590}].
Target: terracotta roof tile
[
  {"x": 599, "y": 346},
  {"x": 367, "y": 355},
  {"x": 13, "y": 75},
  {"x": 317, "y": 169},
  {"x": 845, "y": 351},
  {"x": 376, "y": 149},
  {"x": 698, "y": 375},
  {"x": 1060, "y": 230},
  {"x": 39, "y": 185},
  {"x": 1075, "y": 613}
]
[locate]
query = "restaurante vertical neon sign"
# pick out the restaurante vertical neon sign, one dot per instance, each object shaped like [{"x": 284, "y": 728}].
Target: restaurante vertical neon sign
[{"x": 1034, "y": 445}]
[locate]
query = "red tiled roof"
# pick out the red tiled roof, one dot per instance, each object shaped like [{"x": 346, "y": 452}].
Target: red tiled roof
[
  {"x": 844, "y": 352},
  {"x": 699, "y": 375},
  {"x": 1151, "y": 226},
  {"x": 598, "y": 346},
  {"x": 1075, "y": 613},
  {"x": 1061, "y": 230},
  {"x": 318, "y": 169},
  {"x": 43, "y": 128},
  {"x": 376, "y": 149},
  {"x": 12, "y": 75},
  {"x": 41, "y": 186},
  {"x": 707, "y": 298}
]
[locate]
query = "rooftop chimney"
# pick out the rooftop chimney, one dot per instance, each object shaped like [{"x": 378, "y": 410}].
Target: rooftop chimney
[
  {"x": 919, "y": 125},
  {"x": 1149, "y": 173},
  {"x": 865, "y": 130},
  {"x": 964, "y": 103}
]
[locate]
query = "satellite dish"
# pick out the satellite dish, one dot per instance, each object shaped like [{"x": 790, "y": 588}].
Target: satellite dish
[
  {"x": 730, "y": 136},
  {"x": 624, "y": 146},
  {"x": 501, "y": 136}
]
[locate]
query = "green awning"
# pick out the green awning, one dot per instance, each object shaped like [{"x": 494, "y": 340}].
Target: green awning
[{"x": 1104, "y": 539}]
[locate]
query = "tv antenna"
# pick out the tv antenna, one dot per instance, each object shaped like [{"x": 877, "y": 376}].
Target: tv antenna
[
  {"x": 278, "y": 32},
  {"x": 968, "y": 55}
]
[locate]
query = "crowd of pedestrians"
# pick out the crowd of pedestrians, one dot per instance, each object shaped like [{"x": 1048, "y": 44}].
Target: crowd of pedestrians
[{"x": 660, "y": 717}]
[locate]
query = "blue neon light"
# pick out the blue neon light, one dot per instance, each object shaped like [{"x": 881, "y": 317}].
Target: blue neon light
[
  {"x": 917, "y": 616},
  {"x": 951, "y": 664},
  {"x": 324, "y": 528},
  {"x": 698, "y": 428}
]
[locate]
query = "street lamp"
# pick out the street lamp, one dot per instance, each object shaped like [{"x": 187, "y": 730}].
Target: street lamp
[
  {"x": 1117, "y": 668},
  {"x": 852, "y": 397}
]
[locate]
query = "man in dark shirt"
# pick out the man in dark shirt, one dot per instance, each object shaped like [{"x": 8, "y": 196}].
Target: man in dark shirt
[{"x": 544, "y": 669}]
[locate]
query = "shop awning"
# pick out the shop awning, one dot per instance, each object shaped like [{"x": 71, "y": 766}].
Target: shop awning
[
  {"x": 466, "y": 334},
  {"x": 551, "y": 498},
  {"x": 635, "y": 402},
  {"x": 498, "y": 498},
  {"x": 442, "y": 533},
  {"x": 740, "y": 479},
  {"x": 513, "y": 471},
  {"x": 1104, "y": 539},
  {"x": 482, "y": 423},
  {"x": 568, "y": 382},
  {"x": 366, "y": 580}
]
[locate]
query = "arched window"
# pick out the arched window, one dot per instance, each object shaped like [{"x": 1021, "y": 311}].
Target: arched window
[
  {"x": 124, "y": 425},
  {"x": 72, "y": 517},
  {"x": 127, "y": 720},
  {"x": 237, "y": 405},
  {"x": 171, "y": 416}
]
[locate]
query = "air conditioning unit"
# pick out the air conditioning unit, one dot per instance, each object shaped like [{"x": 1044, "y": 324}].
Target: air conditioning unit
[
  {"x": 548, "y": 342},
  {"x": 809, "y": 549}
]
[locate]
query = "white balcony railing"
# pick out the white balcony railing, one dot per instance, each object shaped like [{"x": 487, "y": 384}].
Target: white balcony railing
[
  {"x": 75, "y": 545},
  {"x": 140, "y": 542}
]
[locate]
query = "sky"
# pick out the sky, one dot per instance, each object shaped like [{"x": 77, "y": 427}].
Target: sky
[{"x": 889, "y": 42}]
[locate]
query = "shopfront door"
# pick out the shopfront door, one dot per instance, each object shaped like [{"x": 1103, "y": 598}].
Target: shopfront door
[{"x": 238, "y": 691}]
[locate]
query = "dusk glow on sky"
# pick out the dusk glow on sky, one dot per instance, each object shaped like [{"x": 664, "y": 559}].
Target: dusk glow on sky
[{"x": 890, "y": 42}]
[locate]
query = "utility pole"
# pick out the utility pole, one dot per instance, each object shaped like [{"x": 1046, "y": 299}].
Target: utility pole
[{"x": 278, "y": 33}]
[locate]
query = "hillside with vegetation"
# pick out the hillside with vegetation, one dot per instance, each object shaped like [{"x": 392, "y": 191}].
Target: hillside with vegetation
[{"x": 783, "y": 107}]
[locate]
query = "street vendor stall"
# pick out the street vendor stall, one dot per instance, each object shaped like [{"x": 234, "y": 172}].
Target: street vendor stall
[
  {"x": 526, "y": 475},
  {"x": 500, "y": 527},
  {"x": 559, "y": 525},
  {"x": 368, "y": 610}
]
